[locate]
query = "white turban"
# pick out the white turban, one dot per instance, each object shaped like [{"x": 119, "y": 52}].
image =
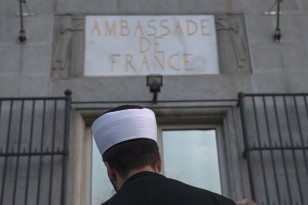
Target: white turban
[{"x": 119, "y": 126}]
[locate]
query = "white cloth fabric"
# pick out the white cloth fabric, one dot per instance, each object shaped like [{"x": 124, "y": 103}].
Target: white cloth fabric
[{"x": 119, "y": 126}]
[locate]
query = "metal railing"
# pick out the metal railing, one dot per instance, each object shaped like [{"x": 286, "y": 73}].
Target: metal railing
[
  {"x": 33, "y": 149},
  {"x": 275, "y": 131}
]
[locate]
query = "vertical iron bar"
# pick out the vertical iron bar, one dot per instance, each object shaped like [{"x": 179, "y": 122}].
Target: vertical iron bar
[
  {"x": 41, "y": 150},
  {"x": 301, "y": 138},
  {"x": 1, "y": 149},
  {"x": 68, "y": 100},
  {"x": 300, "y": 131},
  {"x": 271, "y": 151},
  {"x": 18, "y": 151},
  {"x": 0, "y": 111},
  {"x": 21, "y": 16},
  {"x": 278, "y": 13},
  {"x": 52, "y": 149},
  {"x": 0, "y": 121},
  {"x": 6, "y": 151},
  {"x": 293, "y": 154},
  {"x": 282, "y": 151},
  {"x": 306, "y": 108},
  {"x": 30, "y": 150},
  {"x": 243, "y": 121},
  {"x": 260, "y": 152}
]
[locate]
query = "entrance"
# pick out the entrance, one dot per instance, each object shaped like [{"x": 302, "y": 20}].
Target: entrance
[{"x": 189, "y": 155}]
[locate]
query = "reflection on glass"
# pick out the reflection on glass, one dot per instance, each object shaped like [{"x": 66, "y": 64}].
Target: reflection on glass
[
  {"x": 102, "y": 189},
  {"x": 191, "y": 156}
]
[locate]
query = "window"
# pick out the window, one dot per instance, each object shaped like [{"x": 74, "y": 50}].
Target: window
[
  {"x": 191, "y": 156},
  {"x": 102, "y": 189}
]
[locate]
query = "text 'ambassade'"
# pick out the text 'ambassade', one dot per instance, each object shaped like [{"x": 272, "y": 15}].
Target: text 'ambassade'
[
  {"x": 141, "y": 45},
  {"x": 151, "y": 27}
]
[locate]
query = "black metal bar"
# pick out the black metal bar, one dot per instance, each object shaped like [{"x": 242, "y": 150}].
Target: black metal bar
[
  {"x": 273, "y": 94},
  {"x": 244, "y": 130},
  {"x": 277, "y": 148},
  {"x": 271, "y": 151},
  {"x": 22, "y": 37},
  {"x": 260, "y": 153},
  {"x": 282, "y": 152},
  {"x": 0, "y": 146},
  {"x": 154, "y": 100},
  {"x": 52, "y": 149},
  {"x": 29, "y": 154},
  {"x": 68, "y": 100},
  {"x": 0, "y": 110},
  {"x": 31, "y": 98},
  {"x": 301, "y": 139},
  {"x": 41, "y": 150},
  {"x": 277, "y": 35},
  {"x": 158, "y": 107},
  {"x": 1, "y": 151},
  {"x": 300, "y": 131},
  {"x": 7, "y": 148},
  {"x": 306, "y": 108},
  {"x": 161, "y": 101},
  {"x": 18, "y": 150},
  {"x": 30, "y": 149},
  {"x": 293, "y": 154},
  {"x": 0, "y": 116},
  {"x": 0, "y": 120}
]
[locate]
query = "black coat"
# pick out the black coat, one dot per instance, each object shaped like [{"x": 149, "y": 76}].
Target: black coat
[{"x": 148, "y": 188}]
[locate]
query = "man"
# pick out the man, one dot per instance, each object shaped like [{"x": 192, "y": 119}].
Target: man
[{"x": 126, "y": 137}]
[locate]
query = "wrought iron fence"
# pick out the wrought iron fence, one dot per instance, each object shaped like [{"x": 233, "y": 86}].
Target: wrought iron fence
[
  {"x": 275, "y": 131},
  {"x": 33, "y": 150}
]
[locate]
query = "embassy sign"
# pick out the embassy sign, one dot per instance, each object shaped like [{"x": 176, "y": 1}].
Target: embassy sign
[{"x": 142, "y": 45}]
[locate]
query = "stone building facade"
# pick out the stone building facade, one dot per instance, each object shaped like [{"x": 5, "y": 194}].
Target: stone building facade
[{"x": 267, "y": 124}]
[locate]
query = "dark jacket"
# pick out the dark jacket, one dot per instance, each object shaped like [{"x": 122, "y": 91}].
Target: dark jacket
[{"x": 148, "y": 188}]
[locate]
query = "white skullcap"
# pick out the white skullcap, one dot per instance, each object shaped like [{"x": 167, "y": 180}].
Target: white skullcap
[{"x": 119, "y": 126}]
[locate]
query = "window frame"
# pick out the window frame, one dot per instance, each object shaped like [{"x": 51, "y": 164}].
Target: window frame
[{"x": 219, "y": 140}]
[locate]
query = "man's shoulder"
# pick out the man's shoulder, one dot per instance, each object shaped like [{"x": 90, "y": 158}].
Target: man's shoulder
[
  {"x": 206, "y": 195},
  {"x": 162, "y": 190}
]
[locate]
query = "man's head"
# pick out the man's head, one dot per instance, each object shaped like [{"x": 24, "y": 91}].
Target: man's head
[
  {"x": 132, "y": 155},
  {"x": 126, "y": 137}
]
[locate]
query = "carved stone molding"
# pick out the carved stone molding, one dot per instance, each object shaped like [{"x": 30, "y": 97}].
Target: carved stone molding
[
  {"x": 232, "y": 44},
  {"x": 68, "y": 46}
]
